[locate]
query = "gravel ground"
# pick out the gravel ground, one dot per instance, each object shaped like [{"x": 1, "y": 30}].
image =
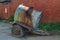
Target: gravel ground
[{"x": 5, "y": 34}]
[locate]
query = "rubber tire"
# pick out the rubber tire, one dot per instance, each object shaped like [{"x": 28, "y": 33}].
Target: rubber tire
[{"x": 20, "y": 30}]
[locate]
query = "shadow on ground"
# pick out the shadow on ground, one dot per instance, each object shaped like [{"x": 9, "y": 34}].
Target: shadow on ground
[{"x": 5, "y": 34}]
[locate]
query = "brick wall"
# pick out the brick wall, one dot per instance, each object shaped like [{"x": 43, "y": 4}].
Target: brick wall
[{"x": 50, "y": 8}]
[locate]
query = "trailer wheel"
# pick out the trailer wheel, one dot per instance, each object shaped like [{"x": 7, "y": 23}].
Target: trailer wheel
[{"x": 17, "y": 31}]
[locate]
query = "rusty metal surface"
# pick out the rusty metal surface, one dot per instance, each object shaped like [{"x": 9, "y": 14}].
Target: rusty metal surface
[{"x": 20, "y": 16}]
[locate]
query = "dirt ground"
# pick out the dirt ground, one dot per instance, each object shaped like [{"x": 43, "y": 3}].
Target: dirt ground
[{"x": 5, "y": 34}]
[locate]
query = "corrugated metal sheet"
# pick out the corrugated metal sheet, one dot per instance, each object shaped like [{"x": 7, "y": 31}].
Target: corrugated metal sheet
[{"x": 4, "y": 1}]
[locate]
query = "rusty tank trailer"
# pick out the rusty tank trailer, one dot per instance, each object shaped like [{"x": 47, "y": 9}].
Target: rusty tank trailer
[{"x": 26, "y": 20}]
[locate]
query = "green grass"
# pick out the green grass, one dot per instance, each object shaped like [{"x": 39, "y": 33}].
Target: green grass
[
  {"x": 49, "y": 26},
  {"x": 3, "y": 20},
  {"x": 11, "y": 18},
  {"x": 7, "y": 20},
  {"x": 44, "y": 26}
]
